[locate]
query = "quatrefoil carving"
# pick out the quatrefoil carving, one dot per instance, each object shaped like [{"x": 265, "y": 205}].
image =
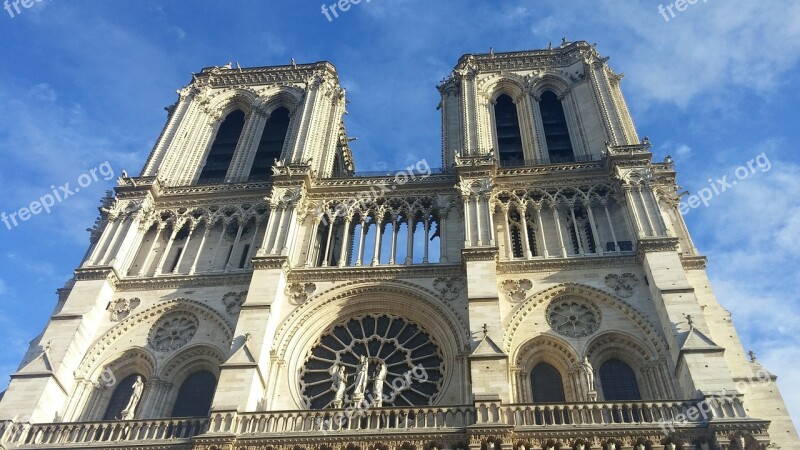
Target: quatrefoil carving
[
  {"x": 233, "y": 301},
  {"x": 122, "y": 307},
  {"x": 300, "y": 292},
  {"x": 516, "y": 290},
  {"x": 449, "y": 288},
  {"x": 624, "y": 285}
]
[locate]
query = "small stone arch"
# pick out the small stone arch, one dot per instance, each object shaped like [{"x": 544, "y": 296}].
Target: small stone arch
[
  {"x": 90, "y": 404},
  {"x": 631, "y": 351},
  {"x": 550, "y": 82},
  {"x": 545, "y": 349},
  {"x": 174, "y": 371}
]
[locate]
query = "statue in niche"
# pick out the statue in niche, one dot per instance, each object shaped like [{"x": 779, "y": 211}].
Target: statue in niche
[
  {"x": 377, "y": 384},
  {"x": 361, "y": 379},
  {"x": 130, "y": 409},
  {"x": 339, "y": 378},
  {"x": 588, "y": 373}
]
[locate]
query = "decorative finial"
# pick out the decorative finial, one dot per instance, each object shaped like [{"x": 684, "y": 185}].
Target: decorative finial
[
  {"x": 247, "y": 337},
  {"x": 646, "y": 140},
  {"x": 752, "y": 355},
  {"x": 485, "y": 330},
  {"x": 669, "y": 160},
  {"x": 491, "y": 52},
  {"x": 550, "y": 46},
  {"x": 47, "y": 346},
  {"x": 690, "y": 320},
  {"x": 294, "y": 65}
]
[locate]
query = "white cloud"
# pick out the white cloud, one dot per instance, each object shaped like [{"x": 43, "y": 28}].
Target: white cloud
[{"x": 43, "y": 92}]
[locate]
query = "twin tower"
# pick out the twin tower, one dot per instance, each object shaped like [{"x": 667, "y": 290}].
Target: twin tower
[{"x": 539, "y": 290}]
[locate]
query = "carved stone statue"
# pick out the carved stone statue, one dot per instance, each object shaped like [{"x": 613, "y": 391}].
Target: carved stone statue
[
  {"x": 130, "y": 409},
  {"x": 339, "y": 379},
  {"x": 377, "y": 384},
  {"x": 361, "y": 379},
  {"x": 588, "y": 373}
]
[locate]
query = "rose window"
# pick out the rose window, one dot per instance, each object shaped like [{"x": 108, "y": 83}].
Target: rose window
[
  {"x": 413, "y": 361},
  {"x": 173, "y": 331},
  {"x": 573, "y": 317}
]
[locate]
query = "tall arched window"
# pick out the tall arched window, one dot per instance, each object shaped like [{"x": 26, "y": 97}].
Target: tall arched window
[
  {"x": 547, "y": 384},
  {"x": 509, "y": 138},
  {"x": 618, "y": 381},
  {"x": 120, "y": 398},
  {"x": 221, "y": 153},
  {"x": 556, "y": 132},
  {"x": 195, "y": 396},
  {"x": 271, "y": 144}
]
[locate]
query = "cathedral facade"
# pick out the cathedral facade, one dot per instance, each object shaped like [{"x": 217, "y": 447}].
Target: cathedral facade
[{"x": 539, "y": 290}]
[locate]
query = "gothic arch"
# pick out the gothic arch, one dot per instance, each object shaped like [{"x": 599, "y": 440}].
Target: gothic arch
[
  {"x": 225, "y": 101},
  {"x": 200, "y": 357},
  {"x": 515, "y": 318},
  {"x": 510, "y": 84},
  {"x": 89, "y": 404},
  {"x": 303, "y": 327},
  {"x": 550, "y": 82},
  {"x": 289, "y": 97},
  {"x": 650, "y": 369},
  {"x": 544, "y": 349}
]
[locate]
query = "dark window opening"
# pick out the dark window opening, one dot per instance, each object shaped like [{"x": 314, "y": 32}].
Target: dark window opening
[
  {"x": 176, "y": 260},
  {"x": 245, "y": 252},
  {"x": 618, "y": 381},
  {"x": 195, "y": 396},
  {"x": 509, "y": 138},
  {"x": 221, "y": 153},
  {"x": 270, "y": 146},
  {"x": 556, "y": 132},
  {"x": 120, "y": 398},
  {"x": 547, "y": 384}
]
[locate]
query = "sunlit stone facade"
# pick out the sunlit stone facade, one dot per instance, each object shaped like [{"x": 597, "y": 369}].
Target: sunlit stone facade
[{"x": 251, "y": 290}]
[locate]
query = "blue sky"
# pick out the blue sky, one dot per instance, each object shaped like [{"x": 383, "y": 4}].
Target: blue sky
[{"x": 84, "y": 82}]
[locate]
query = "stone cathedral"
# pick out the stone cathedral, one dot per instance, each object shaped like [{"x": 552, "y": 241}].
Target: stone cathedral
[{"x": 251, "y": 290}]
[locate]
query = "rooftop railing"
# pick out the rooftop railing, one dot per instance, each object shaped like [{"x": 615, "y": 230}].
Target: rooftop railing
[{"x": 648, "y": 415}]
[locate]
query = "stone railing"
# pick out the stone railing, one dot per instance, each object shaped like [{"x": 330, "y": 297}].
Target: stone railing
[
  {"x": 425, "y": 418},
  {"x": 649, "y": 415},
  {"x": 98, "y": 433}
]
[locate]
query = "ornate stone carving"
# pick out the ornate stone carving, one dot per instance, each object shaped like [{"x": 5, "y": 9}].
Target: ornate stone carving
[
  {"x": 122, "y": 307},
  {"x": 173, "y": 331},
  {"x": 233, "y": 302},
  {"x": 623, "y": 285},
  {"x": 449, "y": 288},
  {"x": 573, "y": 317},
  {"x": 298, "y": 293},
  {"x": 516, "y": 290}
]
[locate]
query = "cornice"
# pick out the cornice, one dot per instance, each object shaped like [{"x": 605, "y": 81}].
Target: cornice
[
  {"x": 654, "y": 245},
  {"x": 271, "y": 262},
  {"x": 480, "y": 254},
  {"x": 179, "y": 282},
  {"x": 375, "y": 273},
  {"x": 553, "y": 168},
  {"x": 558, "y": 264},
  {"x": 296, "y": 73},
  {"x": 694, "y": 262},
  {"x": 562, "y": 56},
  {"x": 98, "y": 273}
]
